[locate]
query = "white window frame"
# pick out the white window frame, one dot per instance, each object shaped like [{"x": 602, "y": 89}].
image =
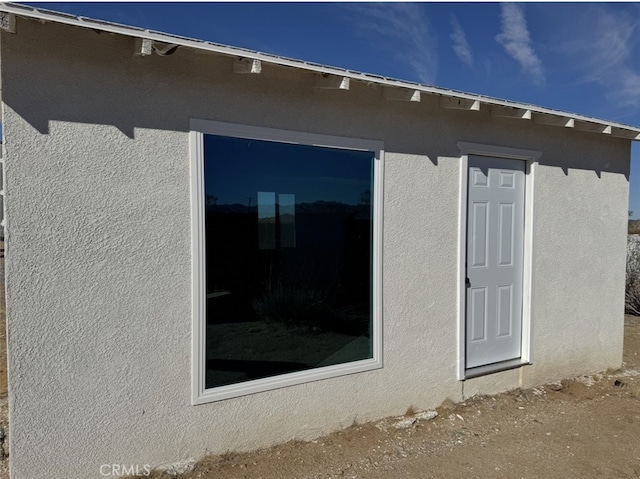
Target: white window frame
[
  {"x": 198, "y": 128},
  {"x": 530, "y": 157}
]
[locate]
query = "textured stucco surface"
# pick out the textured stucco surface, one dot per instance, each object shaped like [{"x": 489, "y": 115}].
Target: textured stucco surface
[{"x": 98, "y": 257}]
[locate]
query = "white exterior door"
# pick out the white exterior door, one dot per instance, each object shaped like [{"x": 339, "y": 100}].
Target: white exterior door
[{"x": 494, "y": 271}]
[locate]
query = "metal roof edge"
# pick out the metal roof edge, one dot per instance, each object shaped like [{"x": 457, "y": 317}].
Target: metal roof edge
[{"x": 136, "y": 32}]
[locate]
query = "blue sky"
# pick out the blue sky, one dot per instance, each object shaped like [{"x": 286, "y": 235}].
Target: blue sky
[{"x": 577, "y": 57}]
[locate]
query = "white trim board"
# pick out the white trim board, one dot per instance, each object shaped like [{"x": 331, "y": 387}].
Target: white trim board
[{"x": 200, "y": 395}]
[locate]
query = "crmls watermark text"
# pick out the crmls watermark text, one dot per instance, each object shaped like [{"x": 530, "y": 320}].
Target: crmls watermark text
[{"x": 117, "y": 470}]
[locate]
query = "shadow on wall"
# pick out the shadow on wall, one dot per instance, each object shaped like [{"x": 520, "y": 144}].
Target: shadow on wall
[{"x": 163, "y": 93}]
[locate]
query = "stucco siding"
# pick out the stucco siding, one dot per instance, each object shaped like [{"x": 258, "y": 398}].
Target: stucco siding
[{"x": 98, "y": 259}]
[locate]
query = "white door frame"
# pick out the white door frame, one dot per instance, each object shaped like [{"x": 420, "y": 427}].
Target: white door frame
[{"x": 531, "y": 158}]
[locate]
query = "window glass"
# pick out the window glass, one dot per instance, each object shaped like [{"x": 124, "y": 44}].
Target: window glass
[{"x": 289, "y": 243}]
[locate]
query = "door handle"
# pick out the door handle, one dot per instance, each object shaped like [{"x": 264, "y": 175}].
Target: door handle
[{"x": 467, "y": 282}]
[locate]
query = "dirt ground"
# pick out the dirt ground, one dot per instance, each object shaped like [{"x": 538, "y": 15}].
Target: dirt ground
[{"x": 587, "y": 427}]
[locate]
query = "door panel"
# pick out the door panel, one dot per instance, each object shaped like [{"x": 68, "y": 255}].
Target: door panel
[
  {"x": 480, "y": 230},
  {"x": 495, "y": 227},
  {"x": 505, "y": 235},
  {"x": 479, "y": 314}
]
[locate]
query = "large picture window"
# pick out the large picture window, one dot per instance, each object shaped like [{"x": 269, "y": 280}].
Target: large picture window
[{"x": 286, "y": 258}]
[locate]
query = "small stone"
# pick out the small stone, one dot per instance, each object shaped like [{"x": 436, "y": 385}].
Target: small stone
[
  {"x": 405, "y": 423},
  {"x": 555, "y": 386},
  {"x": 426, "y": 415},
  {"x": 179, "y": 467}
]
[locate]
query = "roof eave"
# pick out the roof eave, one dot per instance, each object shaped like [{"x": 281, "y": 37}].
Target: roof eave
[{"x": 499, "y": 107}]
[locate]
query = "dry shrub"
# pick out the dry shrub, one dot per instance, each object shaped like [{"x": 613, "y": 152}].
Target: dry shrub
[{"x": 632, "y": 286}]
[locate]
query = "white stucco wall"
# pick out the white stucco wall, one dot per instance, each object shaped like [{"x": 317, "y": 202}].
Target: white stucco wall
[{"x": 98, "y": 257}]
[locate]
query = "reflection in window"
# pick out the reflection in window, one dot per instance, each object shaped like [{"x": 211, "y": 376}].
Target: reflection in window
[
  {"x": 270, "y": 222},
  {"x": 287, "y": 220},
  {"x": 266, "y": 220},
  {"x": 288, "y": 258}
]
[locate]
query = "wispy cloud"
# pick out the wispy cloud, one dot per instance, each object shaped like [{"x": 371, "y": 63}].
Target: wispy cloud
[
  {"x": 516, "y": 41},
  {"x": 404, "y": 30},
  {"x": 460, "y": 45},
  {"x": 629, "y": 92},
  {"x": 605, "y": 55}
]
